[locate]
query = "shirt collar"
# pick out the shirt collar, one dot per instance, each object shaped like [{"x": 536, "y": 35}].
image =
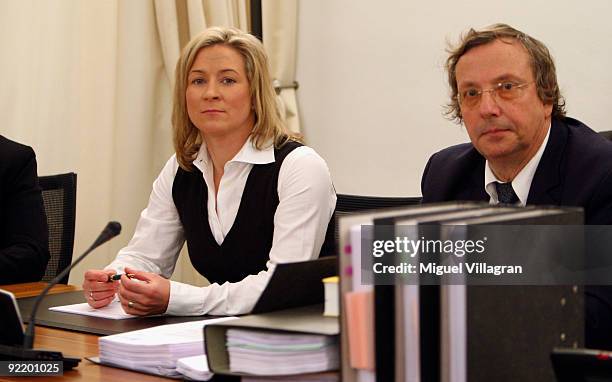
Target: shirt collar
[
  {"x": 247, "y": 154},
  {"x": 522, "y": 182}
]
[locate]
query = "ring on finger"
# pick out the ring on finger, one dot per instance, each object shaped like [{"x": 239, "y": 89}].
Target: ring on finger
[
  {"x": 91, "y": 294},
  {"x": 130, "y": 304}
]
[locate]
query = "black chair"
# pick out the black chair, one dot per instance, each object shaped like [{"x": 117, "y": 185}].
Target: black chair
[
  {"x": 606, "y": 134},
  {"x": 350, "y": 203},
  {"x": 347, "y": 204},
  {"x": 59, "y": 198}
]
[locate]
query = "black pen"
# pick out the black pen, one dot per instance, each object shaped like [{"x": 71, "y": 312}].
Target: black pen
[{"x": 117, "y": 277}]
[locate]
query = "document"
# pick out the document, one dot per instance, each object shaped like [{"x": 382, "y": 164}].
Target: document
[
  {"x": 157, "y": 350},
  {"x": 329, "y": 376},
  {"x": 112, "y": 311},
  {"x": 271, "y": 353}
]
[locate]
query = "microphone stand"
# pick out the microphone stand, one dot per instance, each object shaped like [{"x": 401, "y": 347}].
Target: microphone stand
[{"x": 26, "y": 352}]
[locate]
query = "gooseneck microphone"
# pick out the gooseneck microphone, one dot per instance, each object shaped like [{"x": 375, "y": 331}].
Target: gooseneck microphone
[{"x": 111, "y": 230}]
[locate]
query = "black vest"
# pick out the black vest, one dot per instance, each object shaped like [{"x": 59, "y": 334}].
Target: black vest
[{"x": 246, "y": 247}]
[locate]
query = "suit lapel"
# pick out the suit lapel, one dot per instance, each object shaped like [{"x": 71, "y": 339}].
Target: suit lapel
[
  {"x": 474, "y": 187},
  {"x": 546, "y": 185}
]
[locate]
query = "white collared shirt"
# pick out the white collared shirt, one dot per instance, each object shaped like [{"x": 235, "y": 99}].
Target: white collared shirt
[
  {"x": 521, "y": 182},
  {"x": 306, "y": 203}
]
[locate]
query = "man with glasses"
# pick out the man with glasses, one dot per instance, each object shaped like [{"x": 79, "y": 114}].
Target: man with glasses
[{"x": 523, "y": 149}]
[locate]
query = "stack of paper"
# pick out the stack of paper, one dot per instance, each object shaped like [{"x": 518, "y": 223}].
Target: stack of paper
[
  {"x": 269, "y": 353},
  {"x": 155, "y": 350},
  {"x": 330, "y": 376}
]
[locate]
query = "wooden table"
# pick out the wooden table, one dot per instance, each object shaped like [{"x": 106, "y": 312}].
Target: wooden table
[
  {"x": 72, "y": 344},
  {"x": 33, "y": 289}
]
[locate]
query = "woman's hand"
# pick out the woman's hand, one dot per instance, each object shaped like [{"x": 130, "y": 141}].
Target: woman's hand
[
  {"x": 98, "y": 291},
  {"x": 144, "y": 294}
]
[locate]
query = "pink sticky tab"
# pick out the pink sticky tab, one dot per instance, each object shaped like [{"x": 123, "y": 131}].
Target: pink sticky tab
[
  {"x": 347, "y": 249},
  {"x": 348, "y": 271},
  {"x": 360, "y": 329}
]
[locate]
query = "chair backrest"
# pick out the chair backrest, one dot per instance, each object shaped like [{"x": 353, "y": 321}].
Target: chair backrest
[
  {"x": 59, "y": 198},
  {"x": 606, "y": 134},
  {"x": 350, "y": 203},
  {"x": 347, "y": 204}
]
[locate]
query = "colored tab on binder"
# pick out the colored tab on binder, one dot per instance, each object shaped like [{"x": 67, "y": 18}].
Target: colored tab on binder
[{"x": 360, "y": 324}]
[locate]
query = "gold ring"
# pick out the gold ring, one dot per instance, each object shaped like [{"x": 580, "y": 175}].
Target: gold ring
[{"x": 130, "y": 304}]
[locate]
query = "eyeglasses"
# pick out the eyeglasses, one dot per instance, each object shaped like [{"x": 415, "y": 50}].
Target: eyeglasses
[{"x": 504, "y": 90}]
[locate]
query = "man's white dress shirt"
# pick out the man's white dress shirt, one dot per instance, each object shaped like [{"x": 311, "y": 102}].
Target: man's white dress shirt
[{"x": 521, "y": 184}]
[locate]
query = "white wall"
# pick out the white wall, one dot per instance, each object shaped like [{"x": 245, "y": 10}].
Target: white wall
[{"x": 372, "y": 82}]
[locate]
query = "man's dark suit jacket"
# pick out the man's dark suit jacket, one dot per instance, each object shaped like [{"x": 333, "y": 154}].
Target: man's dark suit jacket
[
  {"x": 24, "y": 247},
  {"x": 575, "y": 170}
]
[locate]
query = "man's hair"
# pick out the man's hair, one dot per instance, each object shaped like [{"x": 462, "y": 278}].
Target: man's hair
[
  {"x": 542, "y": 66},
  {"x": 269, "y": 126}
]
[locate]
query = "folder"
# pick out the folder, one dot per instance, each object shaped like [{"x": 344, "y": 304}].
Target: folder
[
  {"x": 416, "y": 308},
  {"x": 350, "y": 266},
  {"x": 506, "y": 332},
  {"x": 418, "y": 335},
  {"x": 296, "y": 284},
  {"x": 303, "y": 320}
]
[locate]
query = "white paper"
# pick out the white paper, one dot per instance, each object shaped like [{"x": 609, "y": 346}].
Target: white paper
[
  {"x": 112, "y": 311},
  {"x": 265, "y": 353},
  {"x": 195, "y": 368},
  {"x": 181, "y": 333},
  {"x": 157, "y": 349}
]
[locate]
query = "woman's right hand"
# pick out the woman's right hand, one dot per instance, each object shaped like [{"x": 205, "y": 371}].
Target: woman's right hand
[{"x": 98, "y": 290}]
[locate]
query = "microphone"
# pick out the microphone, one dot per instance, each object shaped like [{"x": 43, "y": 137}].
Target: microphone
[{"x": 111, "y": 230}]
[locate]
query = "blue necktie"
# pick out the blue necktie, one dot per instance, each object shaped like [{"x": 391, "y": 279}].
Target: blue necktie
[{"x": 505, "y": 193}]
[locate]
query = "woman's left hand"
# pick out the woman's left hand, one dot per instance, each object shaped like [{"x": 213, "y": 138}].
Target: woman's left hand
[{"x": 145, "y": 294}]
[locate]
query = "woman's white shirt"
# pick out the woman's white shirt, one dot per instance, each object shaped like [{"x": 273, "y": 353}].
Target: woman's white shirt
[{"x": 306, "y": 203}]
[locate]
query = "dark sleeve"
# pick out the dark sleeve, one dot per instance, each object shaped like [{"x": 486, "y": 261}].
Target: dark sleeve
[
  {"x": 424, "y": 183},
  {"x": 24, "y": 248},
  {"x": 598, "y": 298},
  {"x": 599, "y": 208}
]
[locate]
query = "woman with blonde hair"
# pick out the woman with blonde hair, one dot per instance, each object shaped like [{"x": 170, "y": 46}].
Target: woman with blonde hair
[{"x": 241, "y": 190}]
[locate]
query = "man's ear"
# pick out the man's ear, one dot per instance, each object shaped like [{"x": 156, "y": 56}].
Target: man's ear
[{"x": 548, "y": 110}]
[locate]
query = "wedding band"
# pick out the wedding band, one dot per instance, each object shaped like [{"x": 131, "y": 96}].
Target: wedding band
[{"x": 130, "y": 304}]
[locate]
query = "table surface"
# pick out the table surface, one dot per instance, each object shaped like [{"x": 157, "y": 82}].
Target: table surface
[{"x": 72, "y": 344}]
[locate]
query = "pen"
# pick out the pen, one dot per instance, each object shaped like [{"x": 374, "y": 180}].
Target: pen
[{"x": 117, "y": 277}]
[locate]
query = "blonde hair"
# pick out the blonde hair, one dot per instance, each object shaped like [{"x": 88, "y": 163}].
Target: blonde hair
[
  {"x": 542, "y": 66},
  {"x": 269, "y": 126}
]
